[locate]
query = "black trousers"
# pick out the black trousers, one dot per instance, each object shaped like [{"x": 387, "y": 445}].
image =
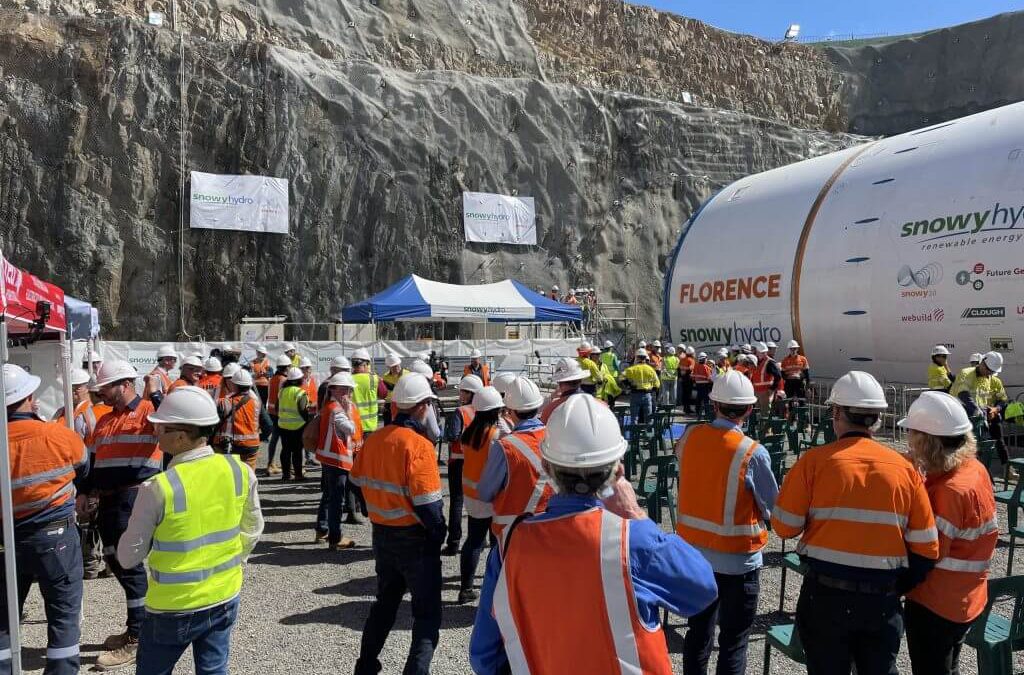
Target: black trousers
[
  {"x": 112, "y": 520},
  {"x": 455, "y": 501},
  {"x": 685, "y": 393},
  {"x": 733, "y": 612},
  {"x": 840, "y": 629},
  {"x": 703, "y": 398},
  {"x": 405, "y": 561},
  {"x": 291, "y": 453},
  {"x": 933, "y": 641},
  {"x": 469, "y": 558},
  {"x": 795, "y": 389}
]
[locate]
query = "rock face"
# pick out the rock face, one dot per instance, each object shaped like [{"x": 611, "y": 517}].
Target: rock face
[{"x": 380, "y": 114}]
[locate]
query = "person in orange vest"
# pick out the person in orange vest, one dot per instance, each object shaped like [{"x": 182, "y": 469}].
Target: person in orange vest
[
  {"x": 227, "y": 388},
  {"x": 83, "y": 419},
  {"x": 513, "y": 481},
  {"x": 656, "y": 357},
  {"x": 476, "y": 367},
  {"x": 941, "y": 610},
  {"x": 125, "y": 454},
  {"x": 555, "y": 290},
  {"x": 746, "y": 364},
  {"x": 277, "y": 380},
  {"x": 579, "y": 588},
  {"x": 45, "y": 459},
  {"x": 239, "y": 410},
  {"x": 311, "y": 387},
  {"x": 702, "y": 383},
  {"x": 211, "y": 380},
  {"x": 568, "y": 377},
  {"x": 339, "y": 364},
  {"x": 726, "y": 494},
  {"x": 867, "y": 536},
  {"x": 190, "y": 375},
  {"x": 158, "y": 382},
  {"x": 397, "y": 471},
  {"x": 261, "y": 370},
  {"x": 340, "y": 435},
  {"x": 796, "y": 372},
  {"x": 767, "y": 378},
  {"x": 684, "y": 386},
  {"x": 476, "y": 441},
  {"x": 92, "y": 546},
  {"x": 457, "y": 421}
]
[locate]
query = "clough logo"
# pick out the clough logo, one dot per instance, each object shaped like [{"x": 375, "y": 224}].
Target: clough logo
[{"x": 984, "y": 313}]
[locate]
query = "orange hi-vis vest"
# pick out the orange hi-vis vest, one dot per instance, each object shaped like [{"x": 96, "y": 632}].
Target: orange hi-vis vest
[
  {"x": 210, "y": 382},
  {"x": 474, "y": 461},
  {"x": 397, "y": 471},
  {"x": 564, "y": 599},
  {"x": 793, "y": 367},
  {"x": 126, "y": 439},
  {"x": 701, "y": 373},
  {"x": 261, "y": 371},
  {"x": 334, "y": 450},
  {"x": 468, "y": 413},
  {"x": 157, "y": 381},
  {"x": 715, "y": 509},
  {"x": 965, "y": 516},
  {"x": 527, "y": 489},
  {"x": 43, "y": 457},
  {"x": 687, "y": 364},
  {"x": 311, "y": 386},
  {"x": 761, "y": 379},
  {"x": 242, "y": 428},
  {"x": 83, "y": 417},
  {"x": 178, "y": 383},
  {"x": 857, "y": 503},
  {"x": 484, "y": 374},
  {"x": 275, "y": 390},
  {"x": 744, "y": 369}
]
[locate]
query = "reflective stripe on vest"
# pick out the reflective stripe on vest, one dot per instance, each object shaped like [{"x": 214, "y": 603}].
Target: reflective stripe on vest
[
  {"x": 365, "y": 398},
  {"x": 728, "y": 528},
  {"x": 467, "y": 412},
  {"x": 538, "y": 488},
  {"x": 288, "y": 415},
  {"x": 333, "y": 450}
]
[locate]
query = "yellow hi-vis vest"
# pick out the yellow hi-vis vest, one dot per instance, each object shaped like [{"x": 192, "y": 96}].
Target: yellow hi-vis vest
[
  {"x": 391, "y": 380},
  {"x": 196, "y": 559},
  {"x": 365, "y": 398},
  {"x": 288, "y": 415}
]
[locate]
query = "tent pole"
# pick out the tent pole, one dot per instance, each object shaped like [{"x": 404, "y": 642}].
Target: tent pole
[
  {"x": 65, "y": 366},
  {"x": 10, "y": 563}
]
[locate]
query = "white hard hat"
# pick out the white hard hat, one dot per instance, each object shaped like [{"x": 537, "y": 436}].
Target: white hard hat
[
  {"x": 858, "y": 389},
  {"x": 166, "y": 351},
  {"x": 293, "y": 374},
  {"x": 198, "y": 355},
  {"x": 305, "y": 363},
  {"x": 746, "y": 347},
  {"x": 501, "y": 381},
  {"x": 641, "y": 344},
  {"x": 641, "y": 353},
  {"x": 283, "y": 360},
  {"x": 424, "y": 356},
  {"x": 361, "y": 355},
  {"x": 230, "y": 370},
  {"x": 608, "y": 344},
  {"x": 690, "y": 351},
  {"x": 341, "y": 379},
  {"x": 392, "y": 360},
  {"x": 475, "y": 354},
  {"x": 555, "y": 287},
  {"x": 940, "y": 350},
  {"x": 793, "y": 344},
  {"x": 288, "y": 347},
  {"x": 212, "y": 365},
  {"x": 761, "y": 348},
  {"x": 733, "y": 388},
  {"x": 523, "y": 395},
  {"x": 993, "y": 361},
  {"x": 422, "y": 368},
  {"x": 241, "y": 378},
  {"x": 231, "y": 349},
  {"x": 975, "y": 358},
  {"x": 114, "y": 371},
  {"x": 568, "y": 370},
  {"x": 261, "y": 348},
  {"x": 585, "y": 347},
  {"x": 681, "y": 346},
  {"x": 19, "y": 384},
  {"x": 94, "y": 356},
  {"x": 771, "y": 345},
  {"x": 703, "y": 356},
  {"x": 186, "y": 405},
  {"x": 937, "y": 413},
  {"x": 79, "y": 376},
  {"x": 470, "y": 383},
  {"x": 751, "y": 359},
  {"x": 722, "y": 352},
  {"x": 582, "y": 433},
  {"x": 196, "y": 362},
  {"x": 412, "y": 389},
  {"x": 341, "y": 362},
  {"x": 657, "y": 343},
  {"x": 488, "y": 398},
  {"x": 671, "y": 349}
]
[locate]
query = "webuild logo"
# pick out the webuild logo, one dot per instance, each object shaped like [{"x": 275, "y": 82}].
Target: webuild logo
[
  {"x": 934, "y": 316},
  {"x": 724, "y": 335}
]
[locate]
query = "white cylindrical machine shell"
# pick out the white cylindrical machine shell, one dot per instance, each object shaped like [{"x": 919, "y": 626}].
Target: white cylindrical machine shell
[{"x": 869, "y": 256}]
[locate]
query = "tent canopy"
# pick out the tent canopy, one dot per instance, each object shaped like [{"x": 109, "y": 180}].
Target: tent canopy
[
  {"x": 417, "y": 299},
  {"x": 20, "y": 292},
  {"x": 83, "y": 319}
]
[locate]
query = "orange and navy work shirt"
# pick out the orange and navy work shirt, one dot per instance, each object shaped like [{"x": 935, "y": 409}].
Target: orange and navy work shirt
[
  {"x": 793, "y": 366},
  {"x": 261, "y": 371},
  {"x": 859, "y": 504},
  {"x": 125, "y": 447},
  {"x": 46, "y": 459}
]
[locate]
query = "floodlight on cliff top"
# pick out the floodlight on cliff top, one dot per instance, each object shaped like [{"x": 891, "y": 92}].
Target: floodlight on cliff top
[{"x": 792, "y": 32}]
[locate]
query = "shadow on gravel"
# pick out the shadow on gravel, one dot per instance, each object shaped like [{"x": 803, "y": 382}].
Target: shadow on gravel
[
  {"x": 353, "y": 588},
  {"x": 353, "y": 614},
  {"x": 287, "y": 557},
  {"x": 276, "y": 526}
]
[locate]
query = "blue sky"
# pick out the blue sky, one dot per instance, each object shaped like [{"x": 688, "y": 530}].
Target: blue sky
[{"x": 825, "y": 17}]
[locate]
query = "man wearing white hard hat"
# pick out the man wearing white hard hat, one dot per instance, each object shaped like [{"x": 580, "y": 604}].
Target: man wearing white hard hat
[
  {"x": 158, "y": 382},
  {"x": 370, "y": 389},
  {"x": 609, "y": 359},
  {"x": 92, "y": 362},
  {"x": 703, "y": 372},
  {"x": 643, "y": 384},
  {"x": 45, "y": 459},
  {"x": 261, "y": 369},
  {"x": 212, "y": 377},
  {"x": 975, "y": 359},
  {"x": 726, "y": 494},
  {"x": 478, "y": 367},
  {"x": 83, "y": 419},
  {"x": 239, "y": 410},
  {"x": 397, "y": 471},
  {"x": 311, "y": 387},
  {"x": 940, "y": 377},
  {"x": 568, "y": 377},
  {"x": 796, "y": 372},
  {"x": 669, "y": 376},
  {"x": 867, "y": 536},
  {"x": 340, "y": 435},
  {"x": 292, "y": 415},
  {"x": 767, "y": 378},
  {"x": 339, "y": 364},
  {"x": 292, "y": 353},
  {"x": 579, "y": 588},
  {"x": 772, "y": 349},
  {"x": 282, "y": 364},
  {"x": 458, "y": 420},
  {"x": 941, "y": 610},
  {"x": 984, "y": 397},
  {"x": 395, "y": 372},
  {"x": 125, "y": 454},
  {"x": 196, "y": 525}
]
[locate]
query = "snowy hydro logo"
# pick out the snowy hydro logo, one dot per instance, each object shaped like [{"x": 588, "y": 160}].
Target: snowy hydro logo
[{"x": 228, "y": 200}]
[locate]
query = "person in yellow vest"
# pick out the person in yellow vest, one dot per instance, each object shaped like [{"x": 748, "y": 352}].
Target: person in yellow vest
[
  {"x": 586, "y": 360},
  {"x": 196, "y": 523},
  {"x": 669, "y": 375},
  {"x": 940, "y": 377},
  {"x": 643, "y": 383},
  {"x": 292, "y": 415},
  {"x": 390, "y": 379},
  {"x": 368, "y": 390}
]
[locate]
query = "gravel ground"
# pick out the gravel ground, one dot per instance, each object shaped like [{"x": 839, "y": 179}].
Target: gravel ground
[{"x": 303, "y": 607}]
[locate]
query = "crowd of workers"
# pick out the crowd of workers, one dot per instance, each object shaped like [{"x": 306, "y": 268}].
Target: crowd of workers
[{"x": 893, "y": 543}]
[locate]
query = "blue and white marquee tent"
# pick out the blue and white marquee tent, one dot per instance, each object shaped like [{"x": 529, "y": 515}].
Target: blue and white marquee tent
[{"x": 417, "y": 299}]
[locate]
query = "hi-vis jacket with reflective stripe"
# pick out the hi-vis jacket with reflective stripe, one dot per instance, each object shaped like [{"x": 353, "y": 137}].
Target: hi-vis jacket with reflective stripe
[
  {"x": 334, "y": 450},
  {"x": 474, "y": 461},
  {"x": 157, "y": 382},
  {"x": 290, "y": 406},
  {"x": 701, "y": 373},
  {"x": 766, "y": 376},
  {"x": 857, "y": 503},
  {"x": 467, "y": 412},
  {"x": 83, "y": 419},
  {"x": 527, "y": 488},
  {"x": 276, "y": 382},
  {"x": 580, "y": 619},
  {"x": 211, "y": 383},
  {"x": 965, "y": 516},
  {"x": 397, "y": 471},
  {"x": 939, "y": 378},
  {"x": 261, "y": 371},
  {"x": 125, "y": 447},
  {"x": 45, "y": 459},
  {"x": 241, "y": 427},
  {"x": 716, "y": 509},
  {"x": 365, "y": 398},
  {"x": 196, "y": 559}
]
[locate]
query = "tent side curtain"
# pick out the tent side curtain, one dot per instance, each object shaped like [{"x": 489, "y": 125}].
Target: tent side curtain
[
  {"x": 417, "y": 299},
  {"x": 83, "y": 319}
]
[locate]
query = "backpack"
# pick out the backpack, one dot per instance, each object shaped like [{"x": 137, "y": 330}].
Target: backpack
[{"x": 311, "y": 434}]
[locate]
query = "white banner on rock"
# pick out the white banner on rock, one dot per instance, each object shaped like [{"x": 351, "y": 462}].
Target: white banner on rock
[
  {"x": 250, "y": 203},
  {"x": 499, "y": 219}
]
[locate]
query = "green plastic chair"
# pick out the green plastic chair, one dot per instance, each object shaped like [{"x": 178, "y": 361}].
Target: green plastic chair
[
  {"x": 795, "y": 425},
  {"x": 820, "y": 435},
  {"x": 994, "y": 636},
  {"x": 790, "y": 563},
  {"x": 657, "y": 487},
  {"x": 639, "y": 437},
  {"x": 783, "y": 638}
]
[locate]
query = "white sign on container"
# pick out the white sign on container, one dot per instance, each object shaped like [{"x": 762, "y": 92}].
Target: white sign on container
[
  {"x": 249, "y": 203},
  {"x": 499, "y": 219}
]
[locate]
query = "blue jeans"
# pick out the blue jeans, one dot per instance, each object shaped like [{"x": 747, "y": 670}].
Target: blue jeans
[
  {"x": 165, "y": 637},
  {"x": 640, "y": 406},
  {"x": 333, "y": 485}
]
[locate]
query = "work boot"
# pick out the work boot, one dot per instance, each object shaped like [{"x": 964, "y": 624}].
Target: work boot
[
  {"x": 273, "y": 469},
  {"x": 115, "y": 641},
  {"x": 120, "y": 657},
  {"x": 353, "y": 519},
  {"x": 320, "y": 536},
  {"x": 341, "y": 545},
  {"x": 467, "y": 595},
  {"x": 450, "y": 550}
]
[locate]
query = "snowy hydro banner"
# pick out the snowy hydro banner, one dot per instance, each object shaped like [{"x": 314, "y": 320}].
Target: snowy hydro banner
[
  {"x": 249, "y": 203},
  {"x": 499, "y": 219}
]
